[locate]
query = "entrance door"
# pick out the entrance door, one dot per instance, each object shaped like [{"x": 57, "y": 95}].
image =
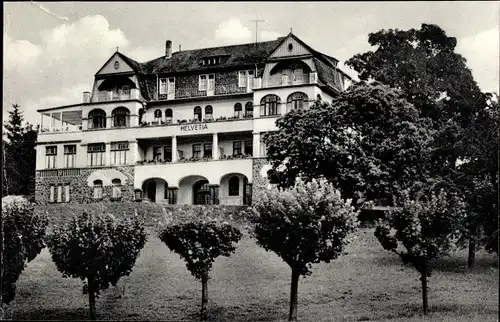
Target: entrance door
[
  {"x": 201, "y": 193},
  {"x": 152, "y": 191}
]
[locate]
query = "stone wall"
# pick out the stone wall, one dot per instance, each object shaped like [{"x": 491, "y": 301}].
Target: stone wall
[
  {"x": 259, "y": 175},
  {"x": 80, "y": 192}
]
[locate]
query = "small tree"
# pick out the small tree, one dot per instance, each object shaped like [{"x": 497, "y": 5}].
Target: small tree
[
  {"x": 98, "y": 249},
  {"x": 307, "y": 224},
  {"x": 199, "y": 242},
  {"x": 422, "y": 229},
  {"x": 23, "y": 232}
]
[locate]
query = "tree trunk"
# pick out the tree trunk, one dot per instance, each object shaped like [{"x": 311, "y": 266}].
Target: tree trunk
[
  {"x": 423, "y": 278},
  {"x": 471, "y": 260},
  {"x": 204, "y": 298},
  {"x": 91, "y": 289},
  {"x": 293, "y": 296}
]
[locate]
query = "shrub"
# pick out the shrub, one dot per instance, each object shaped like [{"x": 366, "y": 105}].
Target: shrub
[
  {"x": 422, "y": 229},
  {"x": 23, "y": 233},
  {"x": 98, "y": 249},
  {"x": 199, "y": 242},
  {"x": 306, "y": 224}
]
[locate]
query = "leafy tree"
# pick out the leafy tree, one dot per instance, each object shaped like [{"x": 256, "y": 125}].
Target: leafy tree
[
  {"x": 199, "y": 242},
  {"x": 18, "y": 166},
  {"x": 306, "y": 224},
  {"x": 23, "y": 234},
  {"x": 423, "y": 227},
  {"x": 424, "y": 65},
  {"x": 370, "y": 143},
  {"x": 98, "y": 249}
]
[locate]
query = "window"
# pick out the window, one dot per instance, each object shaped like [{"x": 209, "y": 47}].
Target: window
[
  {"x": 167, "y": 153},
  {"x": 169, "y": 115},
  {"x": 59, "y": 193},
  {"x": 157, "y": 153},
  {"x": 171, "y": 87},
  {"x": 70, "y": 156},
  {"x": 298, "y": 74},
  {"x": 66, "y": 193},
  {"x": 269, "y": 105},
  {"x": 163, "y": 86},
  {"x": 249, "y": 147},
  {"x": 97, "y": 189},
  {"x": 157, "y": 115},
  {"x": 201, "y": 193},
  {"x": 209, "y": 112},
  {"x": 245, "y": 78},
  {"x": 119, "y": 151},
  {"x": 263, "y": 147},
  {"x": 197, "y": 113},
  {"x": 197, "y": 150},
  {"x": 249, "y": 109},
  {"x": 211, "y": 83},
  {"x": 96, "y": 154},
  {"x": 117, "y": 188},
  {"x": 207, "y": 150},
  {"x": 126, "y": 90},
  {"x": 52, "y": 192},
  {"x": 202, "y": 86},
  {"x": 50, "y": 156},
  {"x": 97, "y": 119},
  {"x": 237, "y": 110},
  {"x": 170, "y": 195},
  {"x": 295, "y": 101},
  {"x": 234, "y": 186},
  {"x": 121, "y": 116},
  {"x": 236, "y": 147}
]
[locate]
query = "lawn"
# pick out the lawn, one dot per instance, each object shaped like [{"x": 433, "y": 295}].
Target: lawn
[{"x": 367, "y": 284}]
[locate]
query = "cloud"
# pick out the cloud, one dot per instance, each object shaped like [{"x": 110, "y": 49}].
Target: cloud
[
  {"x": 19, "y": 54},
  {"x": 481, "y": 52},
  {"x": 58, "y": 69},
  {"x": 232, "y": 31}
]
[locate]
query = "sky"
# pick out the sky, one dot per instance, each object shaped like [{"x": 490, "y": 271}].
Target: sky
[{"x": 53, "y": 50}]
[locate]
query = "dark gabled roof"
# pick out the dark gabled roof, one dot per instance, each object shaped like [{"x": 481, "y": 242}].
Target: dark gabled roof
[
  {"x": 236, "y": 55},
  {"x": 329, "y": 75},
  {"x": 136, "y": 66}
]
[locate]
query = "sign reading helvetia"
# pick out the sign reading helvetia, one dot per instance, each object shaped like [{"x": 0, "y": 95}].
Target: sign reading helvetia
[{"x": 194, "y": 127}]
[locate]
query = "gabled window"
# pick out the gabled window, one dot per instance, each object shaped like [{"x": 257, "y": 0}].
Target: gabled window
[
  {"x": 167, "y": 86},
  {"x": 163, "y": 86}
]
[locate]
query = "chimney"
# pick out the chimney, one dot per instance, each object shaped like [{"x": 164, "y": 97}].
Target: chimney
[
  {"x": 86, "y": 97},
  {"x": 168, "y": 49},
  {"x": 179, "y": 48}
]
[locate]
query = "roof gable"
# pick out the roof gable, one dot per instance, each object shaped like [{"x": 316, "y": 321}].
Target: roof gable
[
  {"x": 291, "y": 46},
  {"x": 117, "y": 63}
]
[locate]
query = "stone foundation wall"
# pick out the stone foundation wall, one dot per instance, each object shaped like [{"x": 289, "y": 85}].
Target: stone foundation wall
[
  {"x": 260, "y": 181},
  {"x": 80, "y": 192}
]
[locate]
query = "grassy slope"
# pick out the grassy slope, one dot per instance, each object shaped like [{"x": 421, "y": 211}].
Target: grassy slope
[{"x": 253, "y": 285}]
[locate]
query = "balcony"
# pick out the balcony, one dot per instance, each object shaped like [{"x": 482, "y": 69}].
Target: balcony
[
  {"x": 310, "y": 78},
  {"x": 119, "y": 95}
]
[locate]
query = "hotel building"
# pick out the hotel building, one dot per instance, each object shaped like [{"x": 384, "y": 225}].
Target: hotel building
[{"x": 185, "y": 128}]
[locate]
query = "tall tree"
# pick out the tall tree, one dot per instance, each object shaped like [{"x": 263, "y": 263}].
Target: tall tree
[
  {"x": 370, "y": 143},
  {"x": 19, "y": 155},
  {"x": 424, "y": 65}
]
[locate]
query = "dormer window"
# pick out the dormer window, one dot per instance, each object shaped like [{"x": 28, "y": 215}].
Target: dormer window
[{"x": 211, "y": 61}]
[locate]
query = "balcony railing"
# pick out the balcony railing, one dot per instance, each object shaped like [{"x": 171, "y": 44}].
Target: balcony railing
[
  {"x": 59, "y": 172},
  {"x": 193, "y": 159},
  {"x": 104, "y": 96},
  {"x": 310, "y": 78}
]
